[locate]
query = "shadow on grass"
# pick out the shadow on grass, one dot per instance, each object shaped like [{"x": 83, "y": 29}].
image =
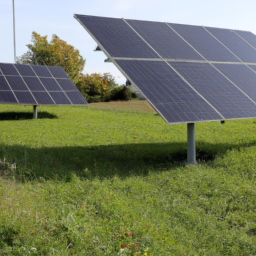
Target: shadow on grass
[
  {"x": 25, "y": 115},
  {"x": 107, "y": 160}
]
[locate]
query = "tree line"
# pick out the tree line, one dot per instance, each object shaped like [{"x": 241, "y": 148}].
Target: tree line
[{"x": 94, "y": 87}]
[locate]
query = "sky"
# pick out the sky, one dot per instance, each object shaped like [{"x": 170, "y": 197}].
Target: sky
[{"x": 50, "y": 17}]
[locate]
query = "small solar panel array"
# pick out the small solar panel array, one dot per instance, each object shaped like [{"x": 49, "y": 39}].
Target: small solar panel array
[
  {"x": 187, "y": 73},
  {"x": 37, "y": 85}
]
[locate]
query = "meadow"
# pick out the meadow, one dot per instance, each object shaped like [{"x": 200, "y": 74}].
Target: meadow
[{"x": 112, "y": 179}]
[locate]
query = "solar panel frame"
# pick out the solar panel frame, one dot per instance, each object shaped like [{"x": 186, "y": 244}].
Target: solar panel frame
[
  {"x": 245, "y": 98},
  {"x": 12, "y": 73}
]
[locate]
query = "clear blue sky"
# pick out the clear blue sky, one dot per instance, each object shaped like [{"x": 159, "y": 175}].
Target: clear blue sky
[{"x": 56, "y": 17}]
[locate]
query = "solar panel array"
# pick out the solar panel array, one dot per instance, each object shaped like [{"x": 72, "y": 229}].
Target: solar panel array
[
  {"x": 37, "y": 85},
  {"x": 187, "y": 73}
]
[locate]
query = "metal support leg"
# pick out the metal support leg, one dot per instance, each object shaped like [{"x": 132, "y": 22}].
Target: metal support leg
[
  {"x": 35, "y": 112},
  {"x": 191, "y": 149}
]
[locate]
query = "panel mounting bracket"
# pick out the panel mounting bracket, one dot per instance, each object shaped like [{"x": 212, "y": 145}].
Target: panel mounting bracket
[
  {"x": 97, "y": 49},
  {"x": 128, "y": 83},
  {"x": 108, "y": 60}
]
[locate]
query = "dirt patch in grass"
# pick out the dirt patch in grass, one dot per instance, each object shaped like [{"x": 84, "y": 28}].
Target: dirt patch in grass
[{"x": 132, "y": 105}]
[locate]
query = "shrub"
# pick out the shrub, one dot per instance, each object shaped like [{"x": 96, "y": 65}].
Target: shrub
[{"x": 120, "y": 93}]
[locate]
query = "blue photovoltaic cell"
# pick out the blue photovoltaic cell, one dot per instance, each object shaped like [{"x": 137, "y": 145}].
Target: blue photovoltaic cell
[
  {"x": 1, "y": 72},
  {"x": 25, "y": 98},
  {"x": 33, "y": 84},
  {"x": 7, "y": 97},
  {"x": 253, "y": 67},
  {"x": 60, "y": 98},
  {"x": 216, "y": 89},
  {"x": 164, "y": 40},
  {"x": 240, "y": 75},
  {"x": 66, "y": 85},
  {"x": 117, "y": 38},
  {"x": 204, "y": 43},
  {"x": 57, "y": 72},
  {"x": 50, "y": 84},
  {"x": 76, "y": 97},
  {"x": 247, "y": 36},
  {"x": 25, "y": 70},
  {"x": 3, "y": 84},
  {"x": 41, "y": 71},
  {"x": 16, "y": 83},
  {"x": 43, "y": 98},
  {"x": 167, "y": 92},
  {"x": 8, "y": 69},
  {"x": 234, "y": 43}
]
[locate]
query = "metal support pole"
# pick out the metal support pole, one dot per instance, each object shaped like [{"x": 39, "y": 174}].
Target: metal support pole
[
  {"x": 35, "y": 111},
  {"x": 191, "y": 149},
  {"x": 14, "y": 37}
]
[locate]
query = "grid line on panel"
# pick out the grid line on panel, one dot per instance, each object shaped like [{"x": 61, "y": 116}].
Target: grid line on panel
[
  {"x": 172, "y": 97},
  {"x": 247, "y": 36},
  {"x": 11, "y": 89},
  {"x": 60, "y": 86},
  {"x": 234, "y": 84},
  {"x": 221, "y": 43},
  {"x": 176, "y": 71},
  {"x": 234, "y": 43},
  {"x": 113, "y": 44},
  {"x": 186, "y": 41},
  {"x": 42, "y": 84},
  {"x": 25, "y": 84},
  {"x": 203, "y": 42},
  {"x": 196, "y": 91},
  {"x": 241, "y": 76},
  {"x": 164, "y": 40},
  {"x": 245, "y": 40},
  {"x": 217, "y": 89}
]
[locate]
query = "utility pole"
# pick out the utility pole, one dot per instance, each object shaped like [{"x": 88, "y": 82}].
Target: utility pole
[{"x": 14, "y": 39}]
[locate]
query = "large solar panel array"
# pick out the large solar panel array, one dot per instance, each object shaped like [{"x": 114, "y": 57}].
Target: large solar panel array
[
  {"x": 187, "y": 73},
  {"x": 37, "y": 85}
]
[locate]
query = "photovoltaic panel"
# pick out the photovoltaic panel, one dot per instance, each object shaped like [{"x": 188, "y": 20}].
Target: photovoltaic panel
[
  {"x": 181, "y": 86},
  {"x": 8, "y": 69},
  {"x": 60, "y": 98},
  {"x": 7, "y": 97},
  {"x": 164, "y": 40},
  {"x": 57, "y": 72},
  {"x": 167, "y": 92},
  {"x": 33, "y": 85},
  {"x": 76, "y": 97},
  {"x": 252, "y": 67},
  {"x": 66, "y": 85},
  {"x": 216, "y": 89},
  {"x": 25, "y": 97},
  {"x": 25, "y": 70},
  {"x": 43, "y": 98},
  {"x": 247, "y": 36},
  {"x": 235, "y": 43},
  {"x": 117, "y": 38},
  {"x": 3, "y": 84},
  {"x": 50, "y": 84},
  {"x": 242, "y": 76},
  {"x": 41, "y": 71},
  {"x": 204, "y": 43},
  {"x": 16, "y": 83}
]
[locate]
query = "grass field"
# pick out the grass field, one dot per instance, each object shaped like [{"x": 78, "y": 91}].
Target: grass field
[{"x": 111, "y": 179}]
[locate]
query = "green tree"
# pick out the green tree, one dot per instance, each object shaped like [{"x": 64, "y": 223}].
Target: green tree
[
  {"x": 95, "y": 87},
  {"x": 57, "y": 52}
]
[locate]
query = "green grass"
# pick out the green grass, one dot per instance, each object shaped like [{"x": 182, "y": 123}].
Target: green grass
[{"x": 86, "y": 177}]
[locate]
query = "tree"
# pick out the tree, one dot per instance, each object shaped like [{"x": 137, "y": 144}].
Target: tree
[
  {"x": 95, "y": 87},
  {"x": 57, "y": 52}
]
